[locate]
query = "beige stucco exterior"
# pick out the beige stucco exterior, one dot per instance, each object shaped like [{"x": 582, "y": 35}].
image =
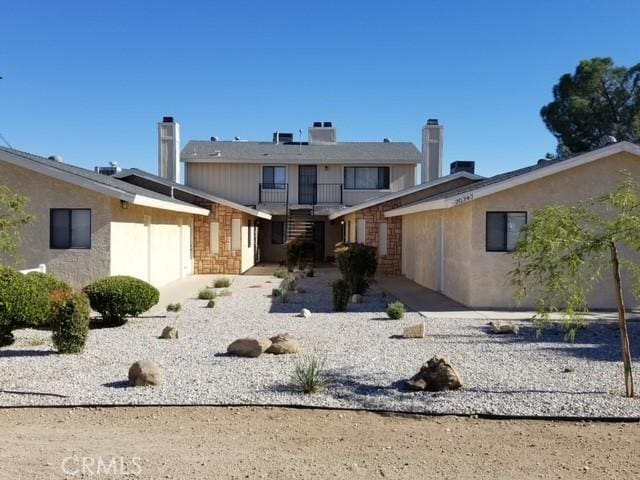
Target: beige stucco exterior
[
  {"x": 119, "y": 243},
  {"x": 445, "y": 249}
]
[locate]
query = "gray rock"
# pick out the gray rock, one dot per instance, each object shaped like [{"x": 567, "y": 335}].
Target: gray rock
[
  {"x": 435, "y": 375},
  {"x": 414, "y": 331},
  {"x": 145, "y": 373},
  {"x": 283, "y": 343},
  {"x": 499, "y": 327},
  {"x": 249, "y": 347},
  {"x": 305, "y": 313},
  {"x": 356, "y": 298},
  {"x": 170, "y": 333}
]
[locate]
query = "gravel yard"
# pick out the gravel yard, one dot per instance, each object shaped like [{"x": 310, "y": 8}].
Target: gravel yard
[{"x": 365, "y": 360}]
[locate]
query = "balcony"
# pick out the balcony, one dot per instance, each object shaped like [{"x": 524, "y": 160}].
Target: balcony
[{"x": 311, "y": 194}]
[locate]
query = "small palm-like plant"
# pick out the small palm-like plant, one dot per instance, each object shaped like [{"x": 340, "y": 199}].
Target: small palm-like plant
[{"x": 308, "y": 373}]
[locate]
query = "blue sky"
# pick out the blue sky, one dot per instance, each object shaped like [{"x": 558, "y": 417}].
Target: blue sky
[{"x": 90, "y": 80}]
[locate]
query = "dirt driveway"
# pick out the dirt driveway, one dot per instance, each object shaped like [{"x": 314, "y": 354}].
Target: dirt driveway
[{"x": 212, "y": 443}]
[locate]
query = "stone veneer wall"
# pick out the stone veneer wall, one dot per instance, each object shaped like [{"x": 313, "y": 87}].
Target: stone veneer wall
[
  {"x": 227, "y": 260},
  {"x": 391, "y": 263}
]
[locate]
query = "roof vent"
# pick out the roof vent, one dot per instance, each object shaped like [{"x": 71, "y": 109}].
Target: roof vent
[
  {"x": 317, "y": 124},
  {"x": 281, "y": 137},
  {"x": 56, "y": 158},
  {"x": 327, "y": 124},
  {"x": 236, "y": 139},
  {"x": 608, "y": 140},
  {"x": 463, "y": 166},
  {"x": 386, "y": 140},
  {"x": 432, "y": 121},
  {"x": 323, "y": 133},
  {"x": 215, "y": 139},
  {"x": 542, "y": 161},
  {"x": 167, "y": 119},
  {"x": 112, "y": 169}
]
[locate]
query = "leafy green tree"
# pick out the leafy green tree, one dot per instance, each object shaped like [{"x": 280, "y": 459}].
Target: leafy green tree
[
  {"x": 13, "y": 216},
  {"x": 564, "y": 251},
  {"x": 599, "y": 99}
]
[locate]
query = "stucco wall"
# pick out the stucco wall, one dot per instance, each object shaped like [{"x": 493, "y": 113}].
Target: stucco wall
[
  {"x": 78, "y": 267},
  {"x": 489, "y": 269},
  {"x": 159, "y": 253},
  {"x": 421, "y": 243}
]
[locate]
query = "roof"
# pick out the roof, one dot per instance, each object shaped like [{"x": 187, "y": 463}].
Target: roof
[
  {"x": 104, "y": 184},
  {"x": 514, "y": 178},
  {"x": 402, "y": 193},
  {"x": 173, "y": 186},
  {"x": 268, "y": 152}
]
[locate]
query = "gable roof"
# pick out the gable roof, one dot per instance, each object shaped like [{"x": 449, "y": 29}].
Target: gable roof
[
  {"x": 106, "y": 185},
  {"x": 511, "y": 179},
  {"x": 310, "y": 153},
  {"x": 402, "y": 193},
  {"x": 173, "y": 186}
]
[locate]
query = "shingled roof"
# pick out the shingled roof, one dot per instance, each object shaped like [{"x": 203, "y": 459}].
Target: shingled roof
[{"x": 309, "y": 153}]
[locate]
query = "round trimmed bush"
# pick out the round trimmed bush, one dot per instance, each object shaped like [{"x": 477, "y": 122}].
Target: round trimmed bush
[
  {"x": 396, "y": 310},
  {"x": 70, "y": 320},
  {"x": 121, "y": 296}
]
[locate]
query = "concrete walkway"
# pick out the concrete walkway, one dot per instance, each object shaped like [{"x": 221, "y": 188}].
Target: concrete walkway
[
  {"x": 432, "y": 304},
  {"x": 180, "y": 290}
]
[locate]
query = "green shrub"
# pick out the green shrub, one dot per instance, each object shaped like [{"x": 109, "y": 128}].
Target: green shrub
[
  {"x": 281, "y": 272},
  {"x": 297, "y": 252},
  {"x": 396, "y": 310},
  {"x": 174, "y": 307},
  {"x": 308, "y": 373},
  {"x": 276, "y": 292},
  {"x": 357, "y": 262},
  {"x": 118, "y": 297},
  {"x": 222, "y": 283},
  {"x": 206, "y": 294},
  {"x": 341, "y": 294},
  {"x": 69, "y": 320}
]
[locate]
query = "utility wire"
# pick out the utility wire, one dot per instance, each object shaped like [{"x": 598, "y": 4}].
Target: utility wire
[{"x": 5, "y": 141}]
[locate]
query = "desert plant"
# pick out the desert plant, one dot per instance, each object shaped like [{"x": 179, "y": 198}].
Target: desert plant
[
  {"x": 308, "y": 373},
  {"x": 118, "y": 297},
  {"x": 341, "y": 294},
  {"x": 356, "y": 262},
  {"x": 69, "y": 320},
  {"x": 13, "y": 217},
  {"x": 222, "y": 283},
  {"x": 206, "y": 294},
  {"x": 281, "y": 272},
  {"x": 276, "y": 292},
  {"x": 297, "y": 252},
  {"x": 396, "y": 310},
  {"x": 174, "y": 307}
]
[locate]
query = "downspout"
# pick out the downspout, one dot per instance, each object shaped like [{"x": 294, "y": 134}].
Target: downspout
[{"x": 441, "y": 252}]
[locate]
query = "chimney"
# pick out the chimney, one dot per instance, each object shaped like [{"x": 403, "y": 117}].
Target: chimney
[
  {"x": 432, "y": 144},
  {"x": 323, "y": 133},
  {"x": 169, "y": 149}
]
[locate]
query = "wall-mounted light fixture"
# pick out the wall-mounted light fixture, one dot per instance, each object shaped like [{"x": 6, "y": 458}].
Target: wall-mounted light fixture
[
  {"x": 124, "y": 204},
  {"x": 326, "y": 167}
]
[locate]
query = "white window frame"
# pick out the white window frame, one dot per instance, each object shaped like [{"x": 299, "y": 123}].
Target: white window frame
[
  {"x": 236, "y": 234},
  {"x": 214, "y": 238}
]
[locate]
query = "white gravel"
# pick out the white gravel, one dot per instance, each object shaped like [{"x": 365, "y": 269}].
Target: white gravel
[{"x": 365, "y": 361}]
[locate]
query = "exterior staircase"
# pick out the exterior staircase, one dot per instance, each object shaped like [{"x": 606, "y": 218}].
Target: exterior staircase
[{"x": 300, "y": 225}]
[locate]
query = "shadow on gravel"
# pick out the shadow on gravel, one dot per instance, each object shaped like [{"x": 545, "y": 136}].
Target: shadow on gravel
[
  {"x": 39, "y": 394},
  {"x": 598, "y": 341},
  {"x": 118, "y": 384},
  {"x": 26, "y": 353}
]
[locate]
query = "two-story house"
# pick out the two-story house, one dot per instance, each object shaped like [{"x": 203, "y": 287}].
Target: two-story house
[{"x": 301, "y": 184}]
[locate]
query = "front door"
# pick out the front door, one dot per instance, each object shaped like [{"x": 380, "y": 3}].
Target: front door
[
  {"x": 318, "y": 241},
  {"x": 307, "y": 181}
]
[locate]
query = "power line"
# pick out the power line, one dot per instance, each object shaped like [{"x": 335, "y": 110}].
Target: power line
[{"x": 5, "y": 141}]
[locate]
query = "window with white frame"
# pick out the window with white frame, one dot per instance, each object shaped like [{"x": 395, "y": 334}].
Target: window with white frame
[
  {"x": 70, "y": 228},
  {"x": 366, "y": 178},
  {"x": 503, "y": 230}
]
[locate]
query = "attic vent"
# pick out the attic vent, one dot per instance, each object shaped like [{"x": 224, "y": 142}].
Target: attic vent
[{"x": 56, "y": 158}]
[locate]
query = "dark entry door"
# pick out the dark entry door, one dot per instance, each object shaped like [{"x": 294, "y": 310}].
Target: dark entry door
[
  {"x": 307, "y": 181},
  {"x": 318, "y": 241}
]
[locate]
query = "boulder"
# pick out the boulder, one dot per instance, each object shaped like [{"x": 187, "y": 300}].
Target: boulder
[
  {"x": 283, "y": 343},
  {"x": 305, "y": 313},
  {"x": 170, "y": 333},
  {"x": 414, "y": 331},
  {"x": 435, "y": 375},
  {"x": 145, "y": 373},
  {"x": 356, "y": 298},
  {"x": 211, "y": 303},
  {"x": 499, "y": 327},
  {"x": 249, "y": 347}
]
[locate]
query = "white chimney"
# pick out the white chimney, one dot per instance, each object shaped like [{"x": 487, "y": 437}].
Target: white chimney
[
  {"x": 432, "y": 145},
  {"x": 169, "y": 149}
]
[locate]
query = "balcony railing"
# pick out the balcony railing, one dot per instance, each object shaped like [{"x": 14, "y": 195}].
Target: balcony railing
[
  {"x": 273, "y": 193},
  {"x": 328, "y": 193}
]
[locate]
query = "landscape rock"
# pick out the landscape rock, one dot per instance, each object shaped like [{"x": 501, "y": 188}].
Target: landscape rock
[
  {"x": 499, "y": 327},
  {"x": 170, "y": 333},
  {"x": 414, "y": 331},
  {"x": 283, "y": 343},
  {"x": 249, "y": 347},
  {"x": 436, "y": 375},
  {"x": 145, "y": 373},
  {"x": 356, "y": 298},
  {"x": 305, "y": 313},
  {"x": 211, "y": 303}
]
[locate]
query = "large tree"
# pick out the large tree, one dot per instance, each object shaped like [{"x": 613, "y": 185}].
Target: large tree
[
  {"x": 597, "y": 100},
  {"x": 13, "y": 216},
  {"x": 565, "y": 251}
]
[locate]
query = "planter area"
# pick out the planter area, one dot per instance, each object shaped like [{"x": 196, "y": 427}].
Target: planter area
[{"x": 366, "y": 359}]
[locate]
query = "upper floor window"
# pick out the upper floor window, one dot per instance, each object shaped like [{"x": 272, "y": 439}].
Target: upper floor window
[
  {"x": 274, "y": 177},
  {"x": 366, "y": 178},
  {"x": 70, "y": 228},
  {"x": 503, "y": 230}
]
